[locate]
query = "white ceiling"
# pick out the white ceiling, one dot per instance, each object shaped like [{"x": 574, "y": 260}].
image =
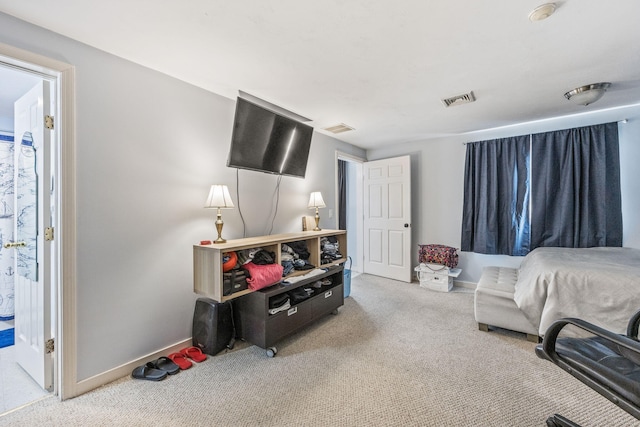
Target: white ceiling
[{"x": 380, "y": 66}]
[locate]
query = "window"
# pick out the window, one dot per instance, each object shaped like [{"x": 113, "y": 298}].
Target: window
[{"x": 573, "y": 192}]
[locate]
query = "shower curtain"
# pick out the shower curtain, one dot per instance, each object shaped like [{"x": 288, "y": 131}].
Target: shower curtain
[{"x": 7, "y": 309}]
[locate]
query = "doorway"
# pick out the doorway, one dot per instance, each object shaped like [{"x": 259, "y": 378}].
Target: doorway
[
  {"x": 374, "y": 206},
  {"x": 350, "y": 205},
  {"x": 27, "y": 206},
  {"x": 387, "y": 218}
]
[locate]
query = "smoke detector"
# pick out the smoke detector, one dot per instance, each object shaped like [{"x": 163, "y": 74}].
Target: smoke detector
[
  {"x": 542, "y": 12},
  {"x": 339, "y": 128},
  {"x": 465, "y": 98}
]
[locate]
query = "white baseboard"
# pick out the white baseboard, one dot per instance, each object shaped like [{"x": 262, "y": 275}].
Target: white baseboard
[
  {"x": 467, "y": 285},
  {"x": 126, "y": 369}
]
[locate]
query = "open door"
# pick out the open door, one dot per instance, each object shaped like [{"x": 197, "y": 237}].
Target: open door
[
  {"x": 387, "y": 218},
  {"x": 33, "y": 250}
]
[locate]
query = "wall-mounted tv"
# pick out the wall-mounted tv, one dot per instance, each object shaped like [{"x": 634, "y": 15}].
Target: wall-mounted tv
[{"x": 266, "y": 141}]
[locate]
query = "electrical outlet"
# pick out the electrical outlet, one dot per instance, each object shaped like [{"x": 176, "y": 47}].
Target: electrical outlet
[{"x": 330, "y": 213}]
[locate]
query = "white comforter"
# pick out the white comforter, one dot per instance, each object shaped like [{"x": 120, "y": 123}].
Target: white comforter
[{"x": 599, "y": 285}]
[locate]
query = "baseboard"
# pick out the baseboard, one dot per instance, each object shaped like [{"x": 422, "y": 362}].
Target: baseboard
[
  {"x": 462, "y": 284},
  {"x": 126, "y": 369}
]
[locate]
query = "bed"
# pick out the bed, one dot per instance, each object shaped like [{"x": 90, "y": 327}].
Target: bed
[{"x": 598, "y": 285}]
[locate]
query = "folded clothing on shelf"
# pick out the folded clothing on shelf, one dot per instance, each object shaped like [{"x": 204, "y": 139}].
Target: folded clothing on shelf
[
  {"x": 263, "y": 257},
  {"x": 283, "y": 307},
  {"x": 299, "y": 248},
  {"x": 330, "y": 250},
  {"x": 300, "y": 294},
  {"x": 295, "y": 279},
  {"x": 278, "y": 300},
  {"x": 279, "y": 303},
  {"x": 262, "y": 276},
  {"x": 246, "y": 255}
]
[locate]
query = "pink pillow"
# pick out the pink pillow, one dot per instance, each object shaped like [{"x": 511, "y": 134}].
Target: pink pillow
[{"x": 263, "y": 275}]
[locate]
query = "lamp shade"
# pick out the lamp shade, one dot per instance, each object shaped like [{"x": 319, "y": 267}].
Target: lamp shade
[
  {"x": 315, "y": 200},
  {"x": 219, "y": 197}
]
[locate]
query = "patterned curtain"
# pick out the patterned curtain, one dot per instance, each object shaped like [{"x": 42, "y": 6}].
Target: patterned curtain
[{"x": 7, "y": 308}]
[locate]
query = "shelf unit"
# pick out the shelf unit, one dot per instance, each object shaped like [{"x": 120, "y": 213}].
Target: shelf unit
[
  {"x": 207, "y": 259},
  {"x": 252, "y": 319}
]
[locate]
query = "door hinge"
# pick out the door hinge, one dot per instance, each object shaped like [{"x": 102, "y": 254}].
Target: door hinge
[
  {"x": 49, "y": 346},
  {"x": 48, "y": 234},
  {"x": 48, "y": 122}
]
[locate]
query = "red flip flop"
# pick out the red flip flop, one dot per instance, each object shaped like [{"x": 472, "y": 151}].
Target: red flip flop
[
  {"x": 180, "y": 360},
  {"x": 194, "y": 353}
]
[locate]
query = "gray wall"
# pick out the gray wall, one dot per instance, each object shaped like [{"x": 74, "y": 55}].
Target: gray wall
[
  {"x": 438, "y": 174},
  {"x": 6, "y": 123},
  {"x": 148, "y": 148}
]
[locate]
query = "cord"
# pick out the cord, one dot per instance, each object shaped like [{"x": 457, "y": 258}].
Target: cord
[
  {"x": 244, "y": 226},
  {"x": 277, "y": 197},
  {"x": 277, "y": 194},
  {"x": 232, "y": 341}
]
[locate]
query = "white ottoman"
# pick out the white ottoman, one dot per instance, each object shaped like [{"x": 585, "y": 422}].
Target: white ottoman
[{"x": 494, "y": 304}]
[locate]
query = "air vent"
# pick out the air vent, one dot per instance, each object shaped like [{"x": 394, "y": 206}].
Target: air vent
[
  {"x": 460, "y": 99},
  {"x": 338, "y": 128}
]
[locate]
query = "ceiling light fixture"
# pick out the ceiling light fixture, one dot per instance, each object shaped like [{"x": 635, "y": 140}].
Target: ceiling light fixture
[
  {"x": 542, "y": 12},
  {"x": 587, "y": 94}
]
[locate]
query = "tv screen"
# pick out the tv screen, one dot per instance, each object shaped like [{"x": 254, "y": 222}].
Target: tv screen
[{"x": 265, "y": 141}]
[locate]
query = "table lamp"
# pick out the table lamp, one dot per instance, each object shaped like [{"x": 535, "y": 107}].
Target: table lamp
[
  {"x": 219, "y": 198},
  {"x": 315, "y": 201}
]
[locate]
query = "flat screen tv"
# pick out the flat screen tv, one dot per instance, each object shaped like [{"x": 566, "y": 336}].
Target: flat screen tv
[{"x": 266, "y": 141}]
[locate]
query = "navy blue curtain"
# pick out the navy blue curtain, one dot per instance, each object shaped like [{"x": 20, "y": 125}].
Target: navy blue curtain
[
  {"x": 342, "y": 194},
  {"x": 495, "y": 218},
  {"x": 575, "y": 197}
]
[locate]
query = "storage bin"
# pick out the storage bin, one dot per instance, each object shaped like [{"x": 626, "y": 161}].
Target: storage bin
[
  {"x": 347, "y": 277},
  {"x": 436, "y": 277}
]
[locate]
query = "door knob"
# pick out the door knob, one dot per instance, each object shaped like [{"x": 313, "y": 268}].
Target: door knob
[
  {"x": 15, "y": 245},
  {"x": 406, "y": 226}
]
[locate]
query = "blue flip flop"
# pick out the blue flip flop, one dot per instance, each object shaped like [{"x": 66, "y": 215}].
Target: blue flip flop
[
  {"x": 146, "y": 372},
  {"x": 163, "y": 363}
]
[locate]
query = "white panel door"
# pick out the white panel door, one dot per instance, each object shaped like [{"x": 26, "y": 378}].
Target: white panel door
[
  {"x": 32, "y": 200},
  {"x": 387, "y": 218}
]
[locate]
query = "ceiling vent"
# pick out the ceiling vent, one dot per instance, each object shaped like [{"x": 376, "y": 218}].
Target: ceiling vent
[
  {"x": 460, "y": 99},
  {"x": 339, "y": 128}
]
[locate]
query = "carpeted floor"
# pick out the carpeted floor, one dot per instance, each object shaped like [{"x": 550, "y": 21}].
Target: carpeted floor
[{"x": 395, "y": 355}]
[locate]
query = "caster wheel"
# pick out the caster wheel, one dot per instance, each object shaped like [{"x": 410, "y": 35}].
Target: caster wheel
[
  {"x": 272, "y": 351},
  {"x": 334, "y": 312}
]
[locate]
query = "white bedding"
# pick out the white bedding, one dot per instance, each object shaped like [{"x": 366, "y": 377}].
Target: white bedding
[{"x": 599, "y": 285}]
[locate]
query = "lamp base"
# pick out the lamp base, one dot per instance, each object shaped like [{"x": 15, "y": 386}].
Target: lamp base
[
  {"x": 219, "y": 224},
  {"x": 317, "y": 221}
]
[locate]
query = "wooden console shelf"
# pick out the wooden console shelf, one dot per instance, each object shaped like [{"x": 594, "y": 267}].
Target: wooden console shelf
[
  {"x": 207, "y": 259},
  {"x": 254, "y": 321}
]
